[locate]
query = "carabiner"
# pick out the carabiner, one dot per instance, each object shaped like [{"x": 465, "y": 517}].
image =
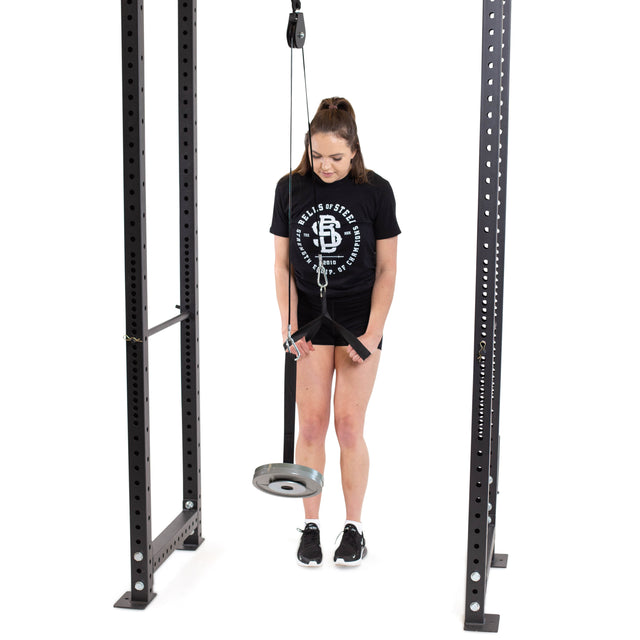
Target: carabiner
[
  {"x": 322, "y": 276},
  {"x": 289, "y": 342}
]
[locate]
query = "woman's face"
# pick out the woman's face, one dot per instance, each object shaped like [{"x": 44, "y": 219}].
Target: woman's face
[{"x": 331, "y": 156}]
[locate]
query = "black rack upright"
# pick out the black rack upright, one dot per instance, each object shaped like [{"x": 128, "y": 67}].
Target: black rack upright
[
  {"x": 492, "y": 194},
  {"x": 147, "y": 554}
]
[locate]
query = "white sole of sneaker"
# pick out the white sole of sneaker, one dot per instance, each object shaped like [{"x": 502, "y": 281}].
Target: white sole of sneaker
[
  {"x": 343, "y": 563},
  {"x": 311, "y": 564},
  {"x": 354, "y": 563}
]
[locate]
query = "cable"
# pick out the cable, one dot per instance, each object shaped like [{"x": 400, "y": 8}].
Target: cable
[
  {"x": 291, "y": 38},
  {"x": 290, "y": 187}
]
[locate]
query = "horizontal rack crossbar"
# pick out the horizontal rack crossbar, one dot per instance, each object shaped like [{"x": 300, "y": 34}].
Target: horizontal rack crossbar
[
  {"x": 183, "y": 316},
  {"x": 173, "y": 536}
]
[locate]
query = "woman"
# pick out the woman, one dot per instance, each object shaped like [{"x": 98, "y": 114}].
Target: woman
[{"x": 346, "y": 214}]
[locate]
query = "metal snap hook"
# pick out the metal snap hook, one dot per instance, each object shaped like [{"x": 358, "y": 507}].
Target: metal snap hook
[
  {"x": 322, "y": 279},
  {"x": 290, "y": 342}
]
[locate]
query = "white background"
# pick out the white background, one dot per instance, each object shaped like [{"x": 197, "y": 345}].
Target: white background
[{"x": 570, "y": 369}]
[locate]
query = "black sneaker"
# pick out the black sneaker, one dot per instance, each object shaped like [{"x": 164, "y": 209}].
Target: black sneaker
[
  {"x": 309, "y": 551},
  {"x": 352, "y": 549}
]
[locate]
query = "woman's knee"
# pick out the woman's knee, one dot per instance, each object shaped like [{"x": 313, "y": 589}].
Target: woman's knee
[
  {"x": 313, "y": 429},
  {"x": 349, "y": 430}
]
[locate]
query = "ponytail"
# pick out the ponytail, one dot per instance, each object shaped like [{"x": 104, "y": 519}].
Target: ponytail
[{"x": 336, "y": 116}]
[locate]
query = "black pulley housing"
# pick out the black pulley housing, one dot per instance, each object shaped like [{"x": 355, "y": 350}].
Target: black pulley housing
[{"x": 296, "y": 33}]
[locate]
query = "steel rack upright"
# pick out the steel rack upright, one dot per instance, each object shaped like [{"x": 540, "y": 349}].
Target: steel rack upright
[
  {"x": 492, "y": 196},
  {"x": 147, "y": 554}
]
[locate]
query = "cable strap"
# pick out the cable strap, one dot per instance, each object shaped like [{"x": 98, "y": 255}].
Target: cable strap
[
  {"x": 309, "y": 330},
  {"x": 290, "y": 370}
]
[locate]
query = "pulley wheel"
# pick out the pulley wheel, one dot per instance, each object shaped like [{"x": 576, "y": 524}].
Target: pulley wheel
[{"x": 288, "y": 480}]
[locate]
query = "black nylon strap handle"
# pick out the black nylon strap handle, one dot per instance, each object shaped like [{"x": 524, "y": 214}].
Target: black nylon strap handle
[
  {"x": 353, "y": 342},
  {"x": 311, "y": 328},
  {"x": 308, "y": 330}
]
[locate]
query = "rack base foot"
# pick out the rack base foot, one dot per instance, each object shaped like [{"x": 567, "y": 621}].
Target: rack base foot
[
  {"x": 188, "y": 546},
  {"x": 500, "y": 560},
  {"x": 490, "y": 624},
  {"x": 127, "y": 603}
]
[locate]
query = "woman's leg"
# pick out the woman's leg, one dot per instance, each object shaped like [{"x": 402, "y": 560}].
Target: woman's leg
[
  {"x": 354, "y": 384},
  {"x": 313, "y": 395}
]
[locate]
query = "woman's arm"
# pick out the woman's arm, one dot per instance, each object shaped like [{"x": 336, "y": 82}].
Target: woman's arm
[
  {"x": 382, "y": 295},
  {"x": 281, "y": 269}
]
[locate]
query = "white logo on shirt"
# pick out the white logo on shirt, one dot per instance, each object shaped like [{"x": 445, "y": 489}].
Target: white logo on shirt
[
  {"x": 317, "y": 228},
  {"x": 328, "y": 238}
]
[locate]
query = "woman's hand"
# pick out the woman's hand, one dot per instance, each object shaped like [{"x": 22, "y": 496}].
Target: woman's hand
[
  {"x": 370, "y": 341},
  {"x": 304, "y": 346}
]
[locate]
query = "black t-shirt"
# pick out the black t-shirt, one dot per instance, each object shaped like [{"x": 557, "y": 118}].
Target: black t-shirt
[{"x": 342, "y": 220}]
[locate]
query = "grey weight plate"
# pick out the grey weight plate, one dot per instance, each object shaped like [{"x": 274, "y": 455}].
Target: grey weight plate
[{"x": 288, "y": 480}]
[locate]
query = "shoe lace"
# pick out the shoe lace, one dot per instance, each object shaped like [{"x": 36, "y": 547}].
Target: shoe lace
[
  {"x": 310, "y": 537},
  {"x": 351, "y": 540}
]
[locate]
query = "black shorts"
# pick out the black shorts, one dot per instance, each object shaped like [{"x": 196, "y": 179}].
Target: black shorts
[{"x": 351, "y": 312}]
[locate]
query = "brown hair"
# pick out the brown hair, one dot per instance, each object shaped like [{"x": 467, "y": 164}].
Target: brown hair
[{"x": 336, "y": 116}]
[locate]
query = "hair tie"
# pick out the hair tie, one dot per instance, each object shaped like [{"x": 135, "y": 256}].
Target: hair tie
[{"x": 333, "y": 106}]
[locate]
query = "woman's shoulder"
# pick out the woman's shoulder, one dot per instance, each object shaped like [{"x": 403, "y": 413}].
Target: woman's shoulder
[
  {"x": 376, "y": 181},
  {"x": 296, "y": 179}
]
